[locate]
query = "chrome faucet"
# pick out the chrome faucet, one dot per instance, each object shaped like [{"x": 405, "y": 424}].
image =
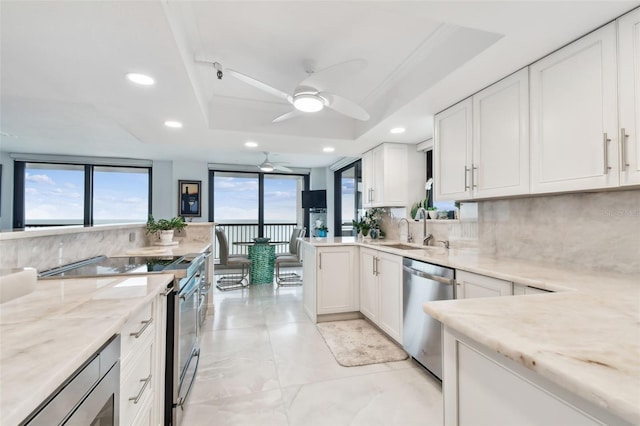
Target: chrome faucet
[
  {"x": 425, "y": 238},
  {"x": 445, "y": 243},
  {"x": 409, "y": 237}
]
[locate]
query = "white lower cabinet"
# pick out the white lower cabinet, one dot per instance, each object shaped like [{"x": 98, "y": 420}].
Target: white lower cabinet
[
  {"x": 330, "y": 280},
  {"x": 483, "y": 387},
  {"x": 142, "y": 360},
  {"x": 337, "y": 280},
  {"x": 381, "y": 290},
  {"x": 470, "y": 285}
]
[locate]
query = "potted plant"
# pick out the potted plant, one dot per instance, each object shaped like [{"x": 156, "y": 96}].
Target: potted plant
[
  {"x": 364, "y": 229},
  {"x": 165, "y": 227},
  {"x": 357, "y": 225},
  {"x": 322, "y": 231},
  {"x": 433, "y": 212}
]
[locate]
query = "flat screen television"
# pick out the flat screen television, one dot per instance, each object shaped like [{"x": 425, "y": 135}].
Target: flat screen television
[{"x": 314, "y": 199}]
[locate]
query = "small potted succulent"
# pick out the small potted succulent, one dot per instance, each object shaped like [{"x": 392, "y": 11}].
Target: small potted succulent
[{"x": 165, "y": 228}]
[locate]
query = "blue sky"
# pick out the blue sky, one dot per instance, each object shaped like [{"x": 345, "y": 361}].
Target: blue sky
[
  {"x": 58, "y": 195},
  {"x": 236, "y": 199}
]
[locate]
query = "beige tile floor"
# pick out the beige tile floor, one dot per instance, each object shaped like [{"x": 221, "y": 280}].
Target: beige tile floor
[{"x": 264, "y": 363}]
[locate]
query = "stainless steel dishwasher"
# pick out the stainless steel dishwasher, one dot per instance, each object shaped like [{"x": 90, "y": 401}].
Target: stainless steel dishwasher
[{"x": 422, "y": 334}]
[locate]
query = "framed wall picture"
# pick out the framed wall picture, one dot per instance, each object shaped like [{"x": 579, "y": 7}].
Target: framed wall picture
[{"x": 190, "y": 198}]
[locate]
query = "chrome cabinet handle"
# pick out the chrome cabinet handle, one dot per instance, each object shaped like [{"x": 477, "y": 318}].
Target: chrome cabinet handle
[
  {"x": 136, "y": 398},
  {"x": 466, "y": 170},
  {"x": 473, "y": 176},
  {"x": 373, "y": 265},
  {"x": 606, "y": 140},
  {"x": 623, "y": 147},
  {"x": 145, "y": 325},
  {"x": 319, "y": 260}
]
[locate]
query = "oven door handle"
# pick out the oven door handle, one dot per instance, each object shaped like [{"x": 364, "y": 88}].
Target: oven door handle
[
  {"x": 182, "y": 401},
  {"x": 189, "y": 293}
]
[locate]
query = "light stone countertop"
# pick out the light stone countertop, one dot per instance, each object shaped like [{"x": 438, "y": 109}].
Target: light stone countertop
[
  {"x": 46, "y": 335},
  {"x": 585, "y": 337},
  {"x": 176, "y": 250}
]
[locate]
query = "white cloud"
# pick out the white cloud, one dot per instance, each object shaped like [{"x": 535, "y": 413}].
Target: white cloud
[{"x": 39, "y": 179}]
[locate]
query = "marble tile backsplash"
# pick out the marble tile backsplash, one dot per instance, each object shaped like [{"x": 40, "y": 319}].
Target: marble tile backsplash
[
  {"x": 595, "y": 231},
  {"x": 45, "y": 252}
]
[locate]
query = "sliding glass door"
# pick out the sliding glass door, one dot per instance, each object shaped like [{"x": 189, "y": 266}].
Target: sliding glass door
[{"x": 249, "y": 205}]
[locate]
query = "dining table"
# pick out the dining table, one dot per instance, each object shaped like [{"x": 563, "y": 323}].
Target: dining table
[{"x": 262, "y": 255}]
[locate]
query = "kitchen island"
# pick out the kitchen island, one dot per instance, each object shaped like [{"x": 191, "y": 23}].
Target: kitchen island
[
  {"x": 582, "y": 340},
  {"x": 48, "y": 334}
]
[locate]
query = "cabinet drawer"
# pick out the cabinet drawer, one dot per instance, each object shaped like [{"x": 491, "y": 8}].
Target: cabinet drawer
[
  {"x": 137, "y": 382},
  {"x": 136, "y": 329}
]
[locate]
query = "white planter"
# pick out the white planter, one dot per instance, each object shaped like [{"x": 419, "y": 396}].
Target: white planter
[
  {"x": 433, "y": 214},
  {"x": 166, "y": 236}
]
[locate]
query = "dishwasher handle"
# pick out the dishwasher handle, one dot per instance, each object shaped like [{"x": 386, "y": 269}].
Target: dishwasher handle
[{"x": 421, "y": 274}]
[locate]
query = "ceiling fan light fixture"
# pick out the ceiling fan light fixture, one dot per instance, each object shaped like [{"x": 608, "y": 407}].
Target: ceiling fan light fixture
[
  {"x": 308, "y": 102},
  {"x": 141, "y": 79},
  {"x": 266, "y": 167}
]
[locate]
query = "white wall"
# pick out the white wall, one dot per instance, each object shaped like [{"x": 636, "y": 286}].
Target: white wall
[{"x": 162, "y": 203}]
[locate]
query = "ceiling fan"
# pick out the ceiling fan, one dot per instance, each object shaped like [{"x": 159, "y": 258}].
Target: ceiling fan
[
  {"x": 268, "y": 166},
  {"x": 311, "y": 95}
]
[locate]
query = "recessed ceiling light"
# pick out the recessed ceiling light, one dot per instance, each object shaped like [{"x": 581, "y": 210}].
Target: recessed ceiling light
[
  {"x": 141, "y": 79},
  {"x": 397, "y": 130},
  {"x": 328, "y": 149},
  {"x": 173, "y": 124},
  {"x": 251, "y": 144}
]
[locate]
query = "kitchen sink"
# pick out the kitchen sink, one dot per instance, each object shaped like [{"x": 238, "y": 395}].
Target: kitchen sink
[
  {"x": 429, "y": 250},
  {"x": 401, "y": 246}
]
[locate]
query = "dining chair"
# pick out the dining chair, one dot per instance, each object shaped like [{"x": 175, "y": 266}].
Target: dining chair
[
  {"x": 231, "y": 281},
  {"x": 293, "y": 258}
]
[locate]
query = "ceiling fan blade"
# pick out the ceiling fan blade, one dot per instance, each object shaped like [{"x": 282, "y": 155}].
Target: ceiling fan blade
[
  {"x": 282, "y": 168},
  {"x": 334, "y": 75},
  {"x": 260, "y": 85},
  {"x": 345, "y": 106},
  {"x": 287, "y": 116}
]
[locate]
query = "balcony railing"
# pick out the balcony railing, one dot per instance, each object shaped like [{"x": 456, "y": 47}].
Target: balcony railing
[{"x": 247, "y": 232}]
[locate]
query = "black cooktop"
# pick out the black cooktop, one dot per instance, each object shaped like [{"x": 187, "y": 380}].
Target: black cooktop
[{"x": 117, "y": 265}]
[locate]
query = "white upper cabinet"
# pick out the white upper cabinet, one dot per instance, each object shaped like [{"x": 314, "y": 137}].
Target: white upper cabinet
[
  {"x": 574, "y": 121},
  {"x": 629, "y": 97},
  {"x": 482, "y": 143},
  {"x": 385, "y": 176},
  {"x": 452, "y": 152},
  {"x": 501, "y": 138}
]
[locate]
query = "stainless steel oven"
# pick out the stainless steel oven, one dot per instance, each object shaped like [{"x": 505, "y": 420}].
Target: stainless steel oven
[
  {"x": 184, "y": 313},
  {"x": 90, "y": 397}
]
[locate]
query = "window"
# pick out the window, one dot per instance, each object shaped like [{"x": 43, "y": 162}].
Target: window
[
  {"x": 51, "y": 194},
  {"x": 236, "y": 197},
  {"x": 282, "y": 198},
  {"x": 440, "y": 205},
  {"x": 120, "y": 194}
]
